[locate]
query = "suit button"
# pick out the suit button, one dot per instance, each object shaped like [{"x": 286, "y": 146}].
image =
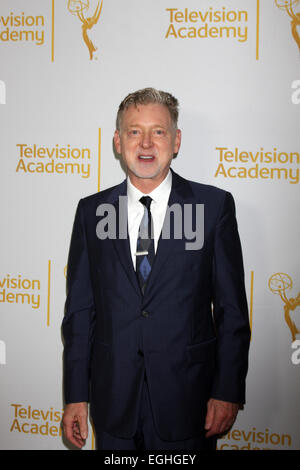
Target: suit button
[
  {"x": 145, "y": 314},
  {"x": 140, "y": 353}
]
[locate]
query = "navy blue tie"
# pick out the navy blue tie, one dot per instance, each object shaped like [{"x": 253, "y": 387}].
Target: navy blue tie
[{"x": 145, "y": 244}]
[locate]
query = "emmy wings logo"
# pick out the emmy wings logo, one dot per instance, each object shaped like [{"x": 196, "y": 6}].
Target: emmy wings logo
[
  {"x": 290, "y": 6},
  {"x": 279, "y": 283},
  {"x": 88, "y": 18}
]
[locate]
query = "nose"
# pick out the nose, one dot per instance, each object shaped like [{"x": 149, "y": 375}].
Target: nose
[{"x": 146, "y": 140}]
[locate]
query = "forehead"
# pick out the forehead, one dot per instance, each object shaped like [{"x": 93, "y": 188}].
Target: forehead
[{"x": 148, "y": 114}]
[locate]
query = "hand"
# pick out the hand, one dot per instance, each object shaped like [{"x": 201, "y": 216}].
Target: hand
[
  {"x": 220, "y": 416},
  {"x": 75, "y": 423}
]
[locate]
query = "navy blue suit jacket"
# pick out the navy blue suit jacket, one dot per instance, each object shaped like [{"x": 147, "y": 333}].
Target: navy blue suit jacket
[{"x": 189, "y": 331}]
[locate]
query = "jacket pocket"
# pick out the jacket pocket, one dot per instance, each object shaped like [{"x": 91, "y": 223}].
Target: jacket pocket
[{"x": 202, "y": 352}]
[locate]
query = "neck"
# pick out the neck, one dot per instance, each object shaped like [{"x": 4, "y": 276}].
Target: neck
[{"x": 146, "y": 185}]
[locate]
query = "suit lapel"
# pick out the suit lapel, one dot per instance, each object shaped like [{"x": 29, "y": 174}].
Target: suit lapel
[
  {"x": 181, "y": 193},
  {"x": 122, "y": 245}
]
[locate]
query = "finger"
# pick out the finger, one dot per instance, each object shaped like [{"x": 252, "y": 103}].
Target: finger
[
  {"x": 212, "y": 432},
  {"x": 69, "y": 434},
  {"x": 216, "y": 425},
  {"x": 209, "y": 416},
  {"x": 220, "y": 426},
  {"x": 69, "y": 426},
  {"x": 77, "y": 435},
  {"x": 83, "y": 427}
]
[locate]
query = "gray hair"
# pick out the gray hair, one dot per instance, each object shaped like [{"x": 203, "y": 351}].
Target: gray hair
[{"x": 149, "y": 96}]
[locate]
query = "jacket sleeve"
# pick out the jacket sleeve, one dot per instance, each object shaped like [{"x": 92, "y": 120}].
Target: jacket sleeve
[
  {"x": 78, "y": 322},
  {"x": 230, "y": 309}
]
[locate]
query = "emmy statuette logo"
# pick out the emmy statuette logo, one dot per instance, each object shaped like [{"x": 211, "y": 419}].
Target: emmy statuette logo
[
  {"x": 279, "y": 283},
  {"x": 81, "y": 8},
  {"x": 289, "y": 6}
]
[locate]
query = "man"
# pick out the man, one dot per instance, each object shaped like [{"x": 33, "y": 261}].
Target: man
[{"x": 158, "y": 329}]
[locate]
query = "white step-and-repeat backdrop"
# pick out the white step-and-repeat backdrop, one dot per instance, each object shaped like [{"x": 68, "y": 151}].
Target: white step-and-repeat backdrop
[{"x": 64, "y": 68}]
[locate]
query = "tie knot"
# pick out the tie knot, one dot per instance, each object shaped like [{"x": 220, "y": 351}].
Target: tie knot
[{"x": 146, "y": 201}]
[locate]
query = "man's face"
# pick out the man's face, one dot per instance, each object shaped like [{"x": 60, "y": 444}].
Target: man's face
[{"x": 147, "y": 142}]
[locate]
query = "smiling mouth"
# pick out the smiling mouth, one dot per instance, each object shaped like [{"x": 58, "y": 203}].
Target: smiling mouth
[{"x": 146, "y": 158}]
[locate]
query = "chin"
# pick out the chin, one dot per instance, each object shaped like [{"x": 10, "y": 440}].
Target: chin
[{"x": 148, "y": 175}]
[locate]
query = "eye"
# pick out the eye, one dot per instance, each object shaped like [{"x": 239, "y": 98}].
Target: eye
[
  {"x": 159, "y": 132},
  {"x": 133, "y": 132}
]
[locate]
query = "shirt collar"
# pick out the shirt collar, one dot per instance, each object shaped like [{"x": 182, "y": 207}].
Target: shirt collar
[{"x": 159, "y": 194}]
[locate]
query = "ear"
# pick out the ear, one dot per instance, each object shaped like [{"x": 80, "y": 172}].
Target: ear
[
  {"x": 117, "y": 141},
  {"x": 177, "y": 142}
]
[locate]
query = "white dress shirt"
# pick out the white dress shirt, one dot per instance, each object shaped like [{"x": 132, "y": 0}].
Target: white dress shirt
[{"x": 160, "y": 197}]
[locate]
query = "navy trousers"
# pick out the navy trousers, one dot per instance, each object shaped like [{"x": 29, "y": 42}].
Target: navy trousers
[{"x": 146, "y": 437}]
